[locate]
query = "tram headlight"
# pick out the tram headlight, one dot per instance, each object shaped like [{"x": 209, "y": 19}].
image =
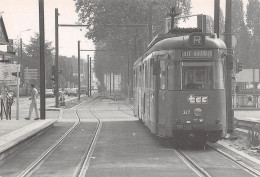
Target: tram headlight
[{"x": 197, "y": 112}]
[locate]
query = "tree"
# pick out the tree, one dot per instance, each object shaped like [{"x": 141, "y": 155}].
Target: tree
[
  {"x": 253, "y": 15},
  {"x": 221, "y": 22},
  {"x": 253, "y": 23},
  {"x": 210, "y": 24},
  {"x": 240, "y": 30},
  {"x": 104, "y": 21},
  {"x": 32, "y": 56},
  {"x": 66, "y": 66},
  {"x": 243, "y": 46},
  {"x": 237, "y": 15}
]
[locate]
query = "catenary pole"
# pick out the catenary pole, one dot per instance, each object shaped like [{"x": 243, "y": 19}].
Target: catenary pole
[
  {"x": 229, "y": 64},
  {"x": 216, "y": 17},
  {"x": 42, "y": 59},
  {"x": 90, "y": 77},
  {"x": 88, "y": 74},
  {"x": 78, "y": 70},
  {"x": 56, "y": 72}
]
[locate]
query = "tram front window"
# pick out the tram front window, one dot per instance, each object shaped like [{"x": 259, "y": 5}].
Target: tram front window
[
  {"x": 197, "y": 78},
  {"x": 197, "y": 75}
]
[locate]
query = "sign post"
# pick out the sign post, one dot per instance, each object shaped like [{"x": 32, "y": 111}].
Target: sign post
[{"x": 17, "y": 92}]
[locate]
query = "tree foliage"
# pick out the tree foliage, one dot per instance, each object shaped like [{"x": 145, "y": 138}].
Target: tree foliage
[
  {"x": 31, "y": 58},
  {"x": 243, "y": 46},
  {"x": 237, "y": 15},
  {"x": 210, "y": 23},
  {"x": 253, "y": 15},
  {"x": 253, "y": 23},
  {"x": 110, "y": 26}
]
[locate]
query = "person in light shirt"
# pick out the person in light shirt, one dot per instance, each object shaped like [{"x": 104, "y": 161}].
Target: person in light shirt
[{"x": 33, "y": 105}]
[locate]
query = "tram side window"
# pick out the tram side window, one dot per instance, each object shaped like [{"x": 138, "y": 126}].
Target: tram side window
[
  {"x": 146, "y": 75},
  {"x": 197, "y": 75},
  {"x": 151, "y": 74},
  {"x": 162, "y": 74},
  {"x": 173, "y": 79},
  {"x": 140, "y": 77},
  {"x": 134, "y": 78},
  {"x": 218, "y": 75}
]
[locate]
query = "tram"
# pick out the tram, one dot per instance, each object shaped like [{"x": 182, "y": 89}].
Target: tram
[{"x": 179, "y": 87}]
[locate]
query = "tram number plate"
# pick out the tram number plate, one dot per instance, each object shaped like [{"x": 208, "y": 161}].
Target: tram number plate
[{"x": 179, "y": 126}]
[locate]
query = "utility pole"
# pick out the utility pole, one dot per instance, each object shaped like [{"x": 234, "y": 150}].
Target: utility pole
[
  {"x": 21, "y": 50},
  {"x": 78, "y": 70},
  {"x": 90, "y": 77},
  {"x": 42, "y": 59},
  {"x": 110, "y": 81},
  {"x": 128, "y": 87},
  {"x": 150, "y": 24},
  {"x": 57, "y": 54},
  {"x": 113, "y": 80},
  {"x": 229, "y": 64},
  {"x": 56, "y": 72},
  {"x": 216, "y": 17}
]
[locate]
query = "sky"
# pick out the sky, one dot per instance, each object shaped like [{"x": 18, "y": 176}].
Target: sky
[{"x": 20, "y": 15}]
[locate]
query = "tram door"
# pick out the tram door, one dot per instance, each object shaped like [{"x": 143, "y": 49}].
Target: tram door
[
  {"x": 154, "y": 73},
  {"x": 146, "y": 94},
  {"x": 162, "y": 100}
]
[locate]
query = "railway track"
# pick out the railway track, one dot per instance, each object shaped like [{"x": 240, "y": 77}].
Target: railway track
[
  {"x": 197, "y": 162},
  {"x": 81, "y": 171},
  {"x": 240, "y": 163},
  {"x": 118, "y": 107},
  {"x": 82, "y": 167},
  {"x": 200, "y": 171},
  {"x": 193, "y": 165},
  {"x": 247, "y": 125}
]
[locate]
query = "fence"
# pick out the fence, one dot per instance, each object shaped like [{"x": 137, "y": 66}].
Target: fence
[{"x": 246, "y": 101}]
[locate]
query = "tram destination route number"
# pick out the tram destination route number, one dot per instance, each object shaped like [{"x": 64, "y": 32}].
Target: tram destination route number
[{"x": 197, "y": 53}]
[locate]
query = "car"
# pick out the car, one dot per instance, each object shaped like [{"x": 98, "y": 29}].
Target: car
[
  {"x": 66, "y": 91},
  {"x": 49, "y": 93},
  {"x": 72, "y": 92},
  {"x": 84, "y": 90}
]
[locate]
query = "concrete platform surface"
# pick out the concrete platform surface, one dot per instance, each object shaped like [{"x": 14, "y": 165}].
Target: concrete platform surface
[{"x": 13, "y": 132}]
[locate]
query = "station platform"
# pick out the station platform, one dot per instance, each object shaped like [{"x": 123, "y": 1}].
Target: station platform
[{"x": 14, "y": 133}]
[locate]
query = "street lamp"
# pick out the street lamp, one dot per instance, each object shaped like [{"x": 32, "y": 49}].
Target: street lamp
[
  {"x": 21, "y": 51},
  {"x": 21, "y": 45}
]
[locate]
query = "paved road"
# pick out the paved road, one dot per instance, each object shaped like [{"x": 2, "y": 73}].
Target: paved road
[{"x": 24, "y": 104}]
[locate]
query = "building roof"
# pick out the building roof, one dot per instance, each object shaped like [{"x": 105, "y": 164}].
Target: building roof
[{"x": 3, "y": 35}]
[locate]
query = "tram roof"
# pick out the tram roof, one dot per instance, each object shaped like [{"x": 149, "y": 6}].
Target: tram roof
[
  {"x": 183, "y": 42},
  {"x": 171, "y": 42}
]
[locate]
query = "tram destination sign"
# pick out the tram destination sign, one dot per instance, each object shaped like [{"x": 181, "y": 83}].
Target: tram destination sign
[{"x": 196, "y": 54}]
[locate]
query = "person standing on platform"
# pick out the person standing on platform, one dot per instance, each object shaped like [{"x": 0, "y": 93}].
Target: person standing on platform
[{"x": 33, "y": 105}]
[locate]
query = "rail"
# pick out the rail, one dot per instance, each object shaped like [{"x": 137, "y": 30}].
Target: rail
[
  {"x": 251, "y": 128},
  {"x": 247, "y": 125},
  {"x": 34, "y": 165},
  {"x": 240, "y": 163}
]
